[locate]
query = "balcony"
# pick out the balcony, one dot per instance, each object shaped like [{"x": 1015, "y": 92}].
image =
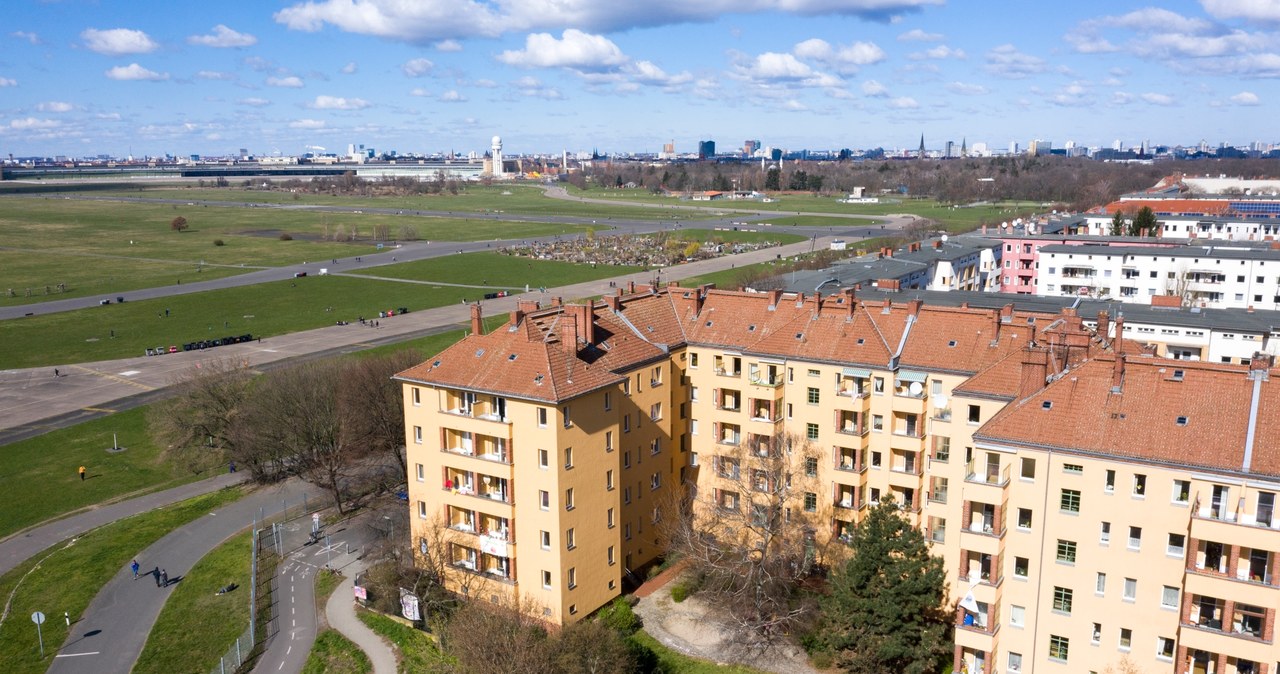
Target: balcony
[
  {"x": 765, "y": 410},
  {"x": 983, "y": 520},
  {"x": 985, "y": 620},
  {"x": 850, "y": 423},
  {"x": 854, "y": 384},
  {"x": 849, "y": 460},
  {"x": 464, "y": 483},
  {"x": 986, "y": 473},
  {"x": 486, "y": 447},
  {"x": 766, "y": 380},
  {"x": 847, "y": 499},
  {"x": 1234, "y": 619}
]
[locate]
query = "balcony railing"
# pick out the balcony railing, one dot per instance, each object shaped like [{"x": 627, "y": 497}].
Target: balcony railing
[
  {"x": 487, "y": 455},
  {"x": 766, "y": 380},
  {"x": 986, "y": 473}
]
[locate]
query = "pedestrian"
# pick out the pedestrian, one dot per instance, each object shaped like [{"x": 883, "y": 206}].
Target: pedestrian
[
  {"x": 56, "y": 374},
  {"x": 134, "y": 567},
  {"x": 156, "y": 572},
  {"x": 164, "y": 578},
  {"x": 232, "y": 467},
  {"x": 82, "y": 473}
]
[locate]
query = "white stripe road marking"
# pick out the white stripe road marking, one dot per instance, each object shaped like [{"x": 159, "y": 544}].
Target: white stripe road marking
[
  {"x": 286, "y": 653},
  {"x": 281, "y": 666},
  {"x": 75, "y": 655}
]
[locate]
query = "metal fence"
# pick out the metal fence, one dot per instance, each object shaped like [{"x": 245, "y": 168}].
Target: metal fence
[{"x": 236, "y": 656}]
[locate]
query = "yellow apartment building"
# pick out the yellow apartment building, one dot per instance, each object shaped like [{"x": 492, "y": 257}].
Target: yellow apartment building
[{"x": 1078, "y": 528}]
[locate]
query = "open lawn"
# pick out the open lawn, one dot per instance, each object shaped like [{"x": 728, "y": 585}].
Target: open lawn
[
  {"x": 197, "y": 624},
  {"x": 38, "y": 476},
  {"x": 498, "y": 270},
  {"x": 68, "y": 576},
  {"x": 107, "y": 247},
  {"x": 333, "y": 653},
  {"x": 510, "y": 199},
  {"x": 728, "y": 235}
]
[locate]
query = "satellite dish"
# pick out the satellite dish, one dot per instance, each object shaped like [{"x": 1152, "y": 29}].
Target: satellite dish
[
  {"x": 944, "y": 238},
  {"x": 1004, "y": 225},
  {"x": 940, "y": 400},
  {"x": 915, "y": 388}
]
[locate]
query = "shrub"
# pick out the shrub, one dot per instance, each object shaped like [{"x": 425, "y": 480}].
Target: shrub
[
  {"x": 219, "y": 242},
  {"x": 822, "y": 660},
  {"x": 679, "y": 592},
  {"x": 285, "y": 236},
  {"x": 619, "y": 616}
]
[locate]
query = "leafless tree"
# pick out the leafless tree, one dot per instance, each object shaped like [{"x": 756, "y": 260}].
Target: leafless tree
[
  {"x": 200, "y": 424},
  {"x": 752, "y": 540},
  {"x": 374, "y": 404},
  {"x": 502, "y": 637}
]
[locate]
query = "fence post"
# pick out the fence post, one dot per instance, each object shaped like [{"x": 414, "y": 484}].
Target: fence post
[
  {"x": 222, "y": 664},
  {"x": 239, "y": 659},
  {"x": 305, "y": 509}
]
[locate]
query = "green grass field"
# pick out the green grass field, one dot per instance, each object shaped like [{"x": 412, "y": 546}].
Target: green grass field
[
  {"x": 31, "y": 471},
  {"x": 333, "y": 653},
  {"x": 418, "y": 653},
  {"x": 68, "y": 576},
  {"x": 498, "y": 270},
  {"x": 197, "y": 624}
]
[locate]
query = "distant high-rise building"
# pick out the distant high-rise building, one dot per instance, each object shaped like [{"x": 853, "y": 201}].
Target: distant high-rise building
[
  {"x": 949, "y": 149},
  {"x": 1014, "y": 147},
  {"x": 749, "y": 147},
  {"x": 668, "y": 150},
  {"x": 706, "y": 149},
  {"x": 1039, "y": 148},
  {"x": 1117, "y": 145}
]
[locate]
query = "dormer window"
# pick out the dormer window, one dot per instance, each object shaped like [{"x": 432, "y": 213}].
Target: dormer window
[{"x": 1182, "y": 421}]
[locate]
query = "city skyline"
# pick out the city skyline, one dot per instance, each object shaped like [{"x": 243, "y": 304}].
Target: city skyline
[{"x": 83, "y": 78}]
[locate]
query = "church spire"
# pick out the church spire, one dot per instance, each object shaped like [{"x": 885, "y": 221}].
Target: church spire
[
  {"x": 964, "y": 147},
  {"x": 921, "y": 155}
]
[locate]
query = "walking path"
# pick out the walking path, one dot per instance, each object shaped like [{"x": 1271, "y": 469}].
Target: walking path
[
  {"x": 111, "y": 633},
  {"x": 341, "y": 614}
]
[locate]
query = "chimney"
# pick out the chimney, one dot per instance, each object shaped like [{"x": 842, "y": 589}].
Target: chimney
[
  {"x": 1260, "y": 365},
  {"x": 913, "y": 307},
  {"x": 1104, "y": 326},
  {"x": 569, "y": 332},
  {"x": 556, "y": 302},
  {"x": 850, "y": 302},
  {"x": 1248, "y": 309},
  {"x": 817, "y": 302},
  {"x": 1115, "y": 343},
  {"x": 516, "y": 317},
  {"x": 1035, "y": 370},
  {"x": 937, "y": 245},
  {"x": 587, "y": 321},
  {"x": 775, "y": 296},
  {"x": 1117, "y": 373},
  {"x": 477, "y": 320},
  {"x": 631, "y": 287},
  {"x": 699, "y": 298},
  {"x": 984, "y": 229},
  {"x": 528, "y": 306},
  {"x": 995, "y": 327},
  {"x": 614, "y": 302},
  {"x": 1006, "y": 313}
]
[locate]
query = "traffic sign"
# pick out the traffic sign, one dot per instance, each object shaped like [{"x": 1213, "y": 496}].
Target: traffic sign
[{"x": 37, "y": 617}]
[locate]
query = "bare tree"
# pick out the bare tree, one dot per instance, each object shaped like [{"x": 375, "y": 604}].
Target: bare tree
[
  {"x": 502, "y": 637},
  {"x": 752, "y": 540},
  {"x": 374, "y": 404},
  {"x": 200, "y": 424}
]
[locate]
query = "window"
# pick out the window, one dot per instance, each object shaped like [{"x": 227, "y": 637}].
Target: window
[
  {"x": 1126, "y": 638},
  {"x": 568, "y": 499},
  {"x": 1096, "y": 635},
  {"x": 1169, "y": 597},
  {"x": 693, "y": 393},
  {"x": 811, "y": 431},
  {"x": 655, "y": 411},
  {"x": 417, "y": 396},
  {"x": 626, "y": 531},
  {"x": 422, "y": 509},
  {"x": 573, "y": 579},
  {"x": 877, "y": 385},
  {"x": 542, "y": 417},
  {"x": 417, "y": 435},
  {"x": 1024, "y": 518},
  {"x": 544, "y": 458},
  {"x": 693, "y": 359},
  {"x": 570, "y": 540},
  {"x": 1073, "y": 468},
  {"x": 942, "y": 449},
  {"x": 568, "y": 420},
  {"x": 1058, "y": 647},
  {"x": 655, "y": 446},
  {"x": 1265, "y": 509},
  {"x": 877, "y": 422},
  {"x": 544, "y": 499},
  {"x": 1164, "y": 650},
  {"x": 1015, "y": 662},
  {"x": 875, "y": 459},
  {"x": 1100, "y": 584},
  {"x": 814, "y": 396},
  {"x": 1130, "y": 589},
  {"x": 626, "y": 459},
  {"x": 1017, "y": 615},
  {"x": 1028, "y": 468},
  {"x": 810, "y": 502},
  {"x": 1139, "y": 485},
  {"x": 609, "y": 519},
  {"x": 568, "y": 458},
  {"x": 421, "y": 474},
  {"x": 545, "y": 537},
  {"x": 1135, "y": 538},
  {"x": 1104, "y": 534},
  {"x": 975, "y": 414},
  {"x": 655, "y": 481},
  {"x": 608, "y": 401},
  {"x": 626, "y": 494},
  {"x": 1062, "y": 599},
  {"x": 611, "y": 557},
  {"x": 1020, "y": 566},
  {"x": 546, "y": 580},
  {"x": 1066, "y": 551},
  {"x": 1177, "y": 545},
  {"x": 810, "y": 466},
  {"x": 1181, "y": 491},
  {"x": 1070, "y": 500},
  {"x": 1110, "y": 485}
]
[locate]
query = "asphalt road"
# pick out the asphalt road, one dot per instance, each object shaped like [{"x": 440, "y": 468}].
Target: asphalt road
[{"x": 111, "y": 633}]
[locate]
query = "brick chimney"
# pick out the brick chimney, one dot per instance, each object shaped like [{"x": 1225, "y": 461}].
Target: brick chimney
[
  {"x": 1115, "y": 343},
  {"x": 1261, "y": 363},
  {"x": 913, "y": 307},
  {"x": 516, "y": 317},
  {"x": 937, "y": 245},
  {"x": 477, "y": 320},
  {"x": 850, "y": 302},
  {"x": 995, "y": 327},
  {"x": 631, "y": 287},
  {"x": 1104, "y": 326},
  {"x": 775, "y": 296},
  {"x": 569, "y": 332},
  {"x": 586, "y": 321},
  {"x": 1117, "y": 374},
  {"x": 1035, "y": 370},
  {"x": 614, "y": 302},
  {"x": 528, "y": 306}
]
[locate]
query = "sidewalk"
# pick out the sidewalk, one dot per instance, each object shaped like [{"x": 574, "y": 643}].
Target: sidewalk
[
  {"x": 23, "y": 545},
  {"x": 341, "y": 614}
]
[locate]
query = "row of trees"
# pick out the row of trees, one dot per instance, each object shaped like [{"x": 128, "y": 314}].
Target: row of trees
[{"x": 338, "y": 424}]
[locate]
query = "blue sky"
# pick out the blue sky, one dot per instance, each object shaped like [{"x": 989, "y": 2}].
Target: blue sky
[{"x": 115, "y": 76}]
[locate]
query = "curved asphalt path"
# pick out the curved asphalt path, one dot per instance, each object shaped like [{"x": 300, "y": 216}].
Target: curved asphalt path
[{"x": 111, "y": 633}]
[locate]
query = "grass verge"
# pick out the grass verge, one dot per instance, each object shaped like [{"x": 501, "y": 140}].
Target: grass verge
[
  {"x": 671, "y": 662},
  {"x": 197, "y": 624},
  {"x": 417, "y": 651},
  {"x": 32, "y": 470},
  {"x": 65, "y": 578},
  {"x": 335, "y": 654}
]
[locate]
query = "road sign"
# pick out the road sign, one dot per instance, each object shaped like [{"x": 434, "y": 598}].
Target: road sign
[{"x": 37, "y": 617}]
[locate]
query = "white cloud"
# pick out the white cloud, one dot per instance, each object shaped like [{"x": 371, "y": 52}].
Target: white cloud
[
  {"x": 1252, "y": 10},
  {"x": 646, "y": 72},
  {"x": 133, "y": 71},
  {"x": 846, "y": 59},
  {"x": 416, "y": 67},
  {"x": 24, "y": 35},
  {"x": 448, "y": 45},
  {"x": 350, "y": 68},
  {"x": 485, "y": 84},
  {"x": 254, "y": 102},
  {"x": 215, "y": 75},
  {"x": 306, "y": 124},
  {"x": 794, "y": 105},
  {"x": 1246, "y": 98},
  {"x": 223, "y": 37},
  {"x": 31, "y": 123},
  {"x": 917, "y": 35},
  {"x": 533, "y": 88},
  {"x": 874, "y": 88},
  {"x": 55, "y": 106},
  {"x": 1121, "y": 98},
  {"x": 430, "y": 20},
  {"x": 338, "y": 103},
  {"x": 112, "y": 116},
  {"x": 966, "y": 89},
  {"x": 575, "y": 50},
  {"x": 419, "y": 91},
  {"x": 8, "y": 82},
  {"x": 904, "y": 103},
  {"x": 1158, "y": 99},
  {"x": 290, "y": 82},
  {"x": 1007, "y": 61},
  {"x": 939, "y": 52},
  {"x": 118, "y": 41},
  {"x": 452, "y": 96}
]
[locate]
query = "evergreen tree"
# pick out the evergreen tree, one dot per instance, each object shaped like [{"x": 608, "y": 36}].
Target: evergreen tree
[
  {"x": 1144, "y": 220},
  {"x": 773, "y": 179},
  {"x": 885, "y": 612},
  {"x": 1117, "y": 224}
]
